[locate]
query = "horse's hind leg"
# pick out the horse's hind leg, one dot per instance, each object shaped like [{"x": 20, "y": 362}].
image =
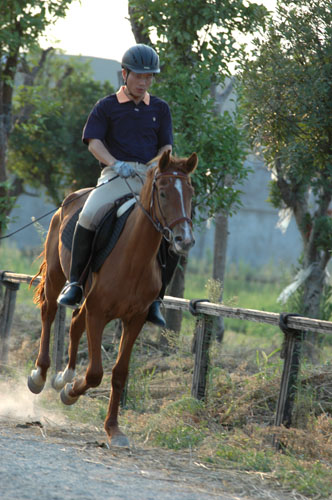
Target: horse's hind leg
[
  {"x": 77, "y": 328},
  {"x": 37, "y": 378},
  {"x": 53, "y": 280}
]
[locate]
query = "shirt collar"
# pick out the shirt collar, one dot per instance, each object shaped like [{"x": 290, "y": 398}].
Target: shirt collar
[{"x": 122, "y": 97}]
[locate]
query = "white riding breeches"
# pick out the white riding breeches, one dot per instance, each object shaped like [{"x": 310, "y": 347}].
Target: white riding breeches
[{"x": 102, "y": 198}]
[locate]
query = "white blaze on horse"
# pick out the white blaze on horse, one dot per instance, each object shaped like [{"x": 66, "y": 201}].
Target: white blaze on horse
[{"x": 124, "y": 287}]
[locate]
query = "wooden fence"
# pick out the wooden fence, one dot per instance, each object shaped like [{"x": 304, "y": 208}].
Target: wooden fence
[{"x": 204, "y": 311}]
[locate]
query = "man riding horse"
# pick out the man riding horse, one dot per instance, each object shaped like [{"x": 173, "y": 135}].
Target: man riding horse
[{"x": 124, "y": 131}]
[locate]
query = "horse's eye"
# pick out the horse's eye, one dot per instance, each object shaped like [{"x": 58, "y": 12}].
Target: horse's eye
[{"x": 162, "y": 194}]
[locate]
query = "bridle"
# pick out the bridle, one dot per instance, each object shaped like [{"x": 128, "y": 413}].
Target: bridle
[{"x": 166, "y": 229}]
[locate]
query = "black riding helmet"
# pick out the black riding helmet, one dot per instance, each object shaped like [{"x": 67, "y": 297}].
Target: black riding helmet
[{"x": 141, "y": 59}]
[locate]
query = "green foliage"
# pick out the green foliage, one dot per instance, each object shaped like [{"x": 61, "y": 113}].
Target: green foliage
[
  {"x": 286, "y": 95},
  {"x": 216, "y": 139},
  {"x": 214, "y": 290},
  {"x": 138, "y": 390},
  {"x": 45, "y": 145},
  {"x": 182, "y": 435},
  {"x": 323, "y": 232},
  {"x": 196, "y": 43},
  {"x": 7, "y": 202},
  {"x": 245, "y": 459},
  {"x": 326, "y": 304},
  {"x": 14, "y": 260},
  {"x": 178, "y": 437},
  {"x": 22, "y": 22},
  {"x": 308, "y": 479}
]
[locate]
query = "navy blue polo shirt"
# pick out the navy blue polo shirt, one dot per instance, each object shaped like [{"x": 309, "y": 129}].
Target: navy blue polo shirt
[{"x": 130, "y": 132}]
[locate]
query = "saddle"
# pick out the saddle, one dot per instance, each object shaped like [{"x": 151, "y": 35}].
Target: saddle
[{"x": 108, "y": 231}]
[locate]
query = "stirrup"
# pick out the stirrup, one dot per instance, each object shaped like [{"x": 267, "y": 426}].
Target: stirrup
[{"x": 74, "y": 301}]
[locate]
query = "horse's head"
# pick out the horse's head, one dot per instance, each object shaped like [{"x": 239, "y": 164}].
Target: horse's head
[{"x": 171, "y": 200}]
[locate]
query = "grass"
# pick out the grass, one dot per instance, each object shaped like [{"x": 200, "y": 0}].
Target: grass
[
  {"x": 244, "y": 288},
  {"x": 234, "y": 427}
]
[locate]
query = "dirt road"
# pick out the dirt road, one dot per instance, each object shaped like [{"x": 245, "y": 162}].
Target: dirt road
[
  {"x": 49, "y": 454},
  {"x": 37, "y": 465},
  {"x": 52, "y": 462}
]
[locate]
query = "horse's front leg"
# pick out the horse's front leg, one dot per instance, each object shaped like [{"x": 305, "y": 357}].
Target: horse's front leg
[
  {"x": 77, "y": 328},
  {"x": 119, "y": 376},
  {"x": 95, "y": 324}
]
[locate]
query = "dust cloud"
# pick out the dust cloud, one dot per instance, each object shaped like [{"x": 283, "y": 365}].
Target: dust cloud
[{"x": 18, "y": 403}]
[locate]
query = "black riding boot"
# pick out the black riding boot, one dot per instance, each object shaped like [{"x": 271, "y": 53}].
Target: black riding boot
[
  {"x": 168, "y": 260},
  {"x": 154, "y": 315},
  {"x": 72, "y": 294}
]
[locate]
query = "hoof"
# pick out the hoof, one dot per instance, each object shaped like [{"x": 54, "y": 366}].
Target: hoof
[
  {"x": 36, "y": 382},
  {"x": 64, "y": 395},
  {"x": 120, "y": 441},
  {"x": 60, "y": 379},
  {"x": 54, "y": 385},
  {"x": 36, "y": 389}
]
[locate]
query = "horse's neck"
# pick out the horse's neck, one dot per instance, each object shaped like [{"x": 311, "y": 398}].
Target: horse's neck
[{"x": 142, "y": 237}]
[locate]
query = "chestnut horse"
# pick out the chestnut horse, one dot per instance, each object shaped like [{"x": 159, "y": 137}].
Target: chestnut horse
[{"x": 124, "y": 287}]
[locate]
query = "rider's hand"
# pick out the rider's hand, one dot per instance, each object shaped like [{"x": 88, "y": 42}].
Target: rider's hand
[{"x": 123, "y": 169}]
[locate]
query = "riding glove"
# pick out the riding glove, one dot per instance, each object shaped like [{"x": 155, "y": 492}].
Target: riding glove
[{"x": 123, "y": 169}]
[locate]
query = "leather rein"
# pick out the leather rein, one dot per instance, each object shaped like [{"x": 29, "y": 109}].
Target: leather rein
[{"x": 162, "y": 227}]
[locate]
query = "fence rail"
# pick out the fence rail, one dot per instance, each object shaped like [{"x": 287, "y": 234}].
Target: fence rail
[
  {"x": 204, "y": 310},
  {"x": 210, "y": 309}
]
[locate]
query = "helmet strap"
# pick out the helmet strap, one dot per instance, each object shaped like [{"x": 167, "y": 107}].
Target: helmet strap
[{"x": 128, "y": 71}]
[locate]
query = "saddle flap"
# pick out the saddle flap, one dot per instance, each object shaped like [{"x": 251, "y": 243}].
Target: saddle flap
[{"x": 107, "y": 233}]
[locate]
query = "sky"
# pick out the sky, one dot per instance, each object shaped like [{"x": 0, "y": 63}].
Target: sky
[
  {"x": 94, "y": 28},
  {"x": 97, "y": 28}
]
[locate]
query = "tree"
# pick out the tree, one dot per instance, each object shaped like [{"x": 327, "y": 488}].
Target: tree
[
  {"x": 49, "y": 114},
  {"x": 21, "y": 24},
  {"x": 287, "y": 95},
  {"x": 196, "y": 41}
]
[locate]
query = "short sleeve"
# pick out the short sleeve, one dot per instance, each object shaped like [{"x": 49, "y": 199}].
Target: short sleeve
[
  {"x": 97, "y": 123},
  {"x": 165, "y": 135}
]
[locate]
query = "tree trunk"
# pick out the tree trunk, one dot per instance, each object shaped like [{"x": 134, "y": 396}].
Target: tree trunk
[
  {"x": 219, "y": 264},
  {"x": 312, "y": 295},
  {"x": 221, "y": 222},
  {"x": 175, "y": 289},
  {"x": 200, "y": 246},
  {"x": 137, "y": 28}
]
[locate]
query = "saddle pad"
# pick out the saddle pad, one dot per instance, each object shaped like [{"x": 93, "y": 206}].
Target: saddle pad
[{"x": 106, "y": 237}]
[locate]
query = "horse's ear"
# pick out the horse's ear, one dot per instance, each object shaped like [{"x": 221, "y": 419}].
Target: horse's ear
[
  {"x": 191, "y": 163},
  {"x": 164, "y": 160}
]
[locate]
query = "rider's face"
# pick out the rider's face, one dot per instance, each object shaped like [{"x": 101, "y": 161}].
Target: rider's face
[{"x": 138, "y": 83}]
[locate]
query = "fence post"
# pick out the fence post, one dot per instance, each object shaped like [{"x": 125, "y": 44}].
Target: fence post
[
  {"x": 6, "y": 318},
  {"x": 59, "y": 338},
  {"x": 201, "y": 349},
  {"x": 291, "y": 353}
]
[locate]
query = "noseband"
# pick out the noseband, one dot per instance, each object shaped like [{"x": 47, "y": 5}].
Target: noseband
[{"x": 165, "y": 229}]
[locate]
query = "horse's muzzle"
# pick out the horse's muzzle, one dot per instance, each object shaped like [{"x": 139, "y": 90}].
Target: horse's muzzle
[{"x": 182, "y": 244}]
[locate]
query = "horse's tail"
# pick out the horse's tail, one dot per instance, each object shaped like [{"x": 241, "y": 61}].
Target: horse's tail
[{"x": 39, "y": 291}]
